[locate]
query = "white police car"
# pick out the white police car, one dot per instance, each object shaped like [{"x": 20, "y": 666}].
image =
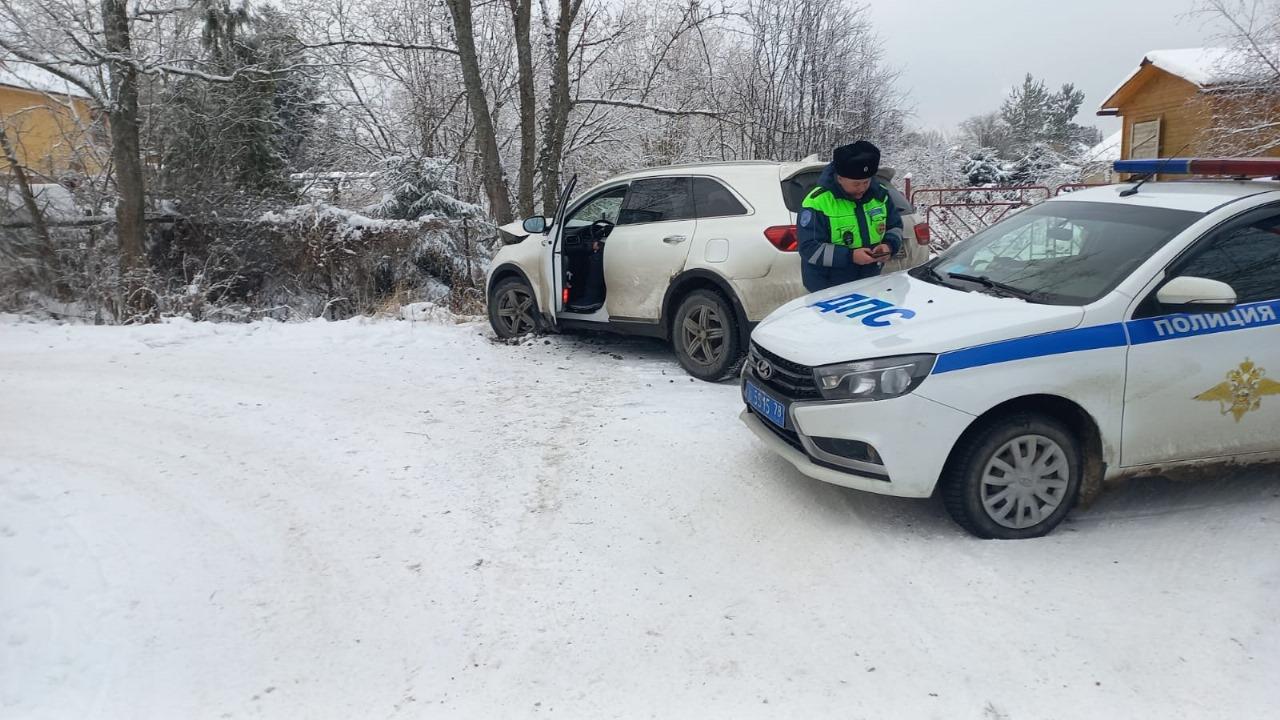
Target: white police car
[{"x": 1103, "y": 334}]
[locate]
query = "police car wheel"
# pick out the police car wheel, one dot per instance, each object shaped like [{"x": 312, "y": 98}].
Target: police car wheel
[
  {"x": 1015, "y": 478},
  {"x": 705, "y": 337},
  {"x": 513, "y": 311}
]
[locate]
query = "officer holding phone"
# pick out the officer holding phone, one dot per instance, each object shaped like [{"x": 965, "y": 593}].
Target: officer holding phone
[{"x": 848, "y": 225}]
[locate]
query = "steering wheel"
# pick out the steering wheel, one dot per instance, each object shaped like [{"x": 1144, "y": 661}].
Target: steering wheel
[{"x": 600, "y": 230}]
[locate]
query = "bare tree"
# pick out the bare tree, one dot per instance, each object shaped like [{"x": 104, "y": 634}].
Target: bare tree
[
  {"x": 122, "y": 111},
  {"x": 986, "y": 131},
  {"x": 95, "y": 53},
  {"x": 1244, "y": 102},
  {"x": 557, "y": 30},
  {"x": 812, "y": 77},
  {"x": 495, "y": 179},
  {"x": 521, "y": 18}
]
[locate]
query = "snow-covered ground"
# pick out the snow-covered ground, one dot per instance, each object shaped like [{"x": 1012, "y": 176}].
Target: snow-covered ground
[{"x": 395, "y": 519}]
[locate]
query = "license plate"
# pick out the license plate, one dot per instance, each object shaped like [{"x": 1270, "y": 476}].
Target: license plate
[{"x": 764, "y": 403}]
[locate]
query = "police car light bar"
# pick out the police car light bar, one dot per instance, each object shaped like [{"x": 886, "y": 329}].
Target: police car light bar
[{"x": 1234, "y": 167}]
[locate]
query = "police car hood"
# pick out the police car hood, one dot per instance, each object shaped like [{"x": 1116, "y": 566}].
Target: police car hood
[{"x": 900, "y": 315}]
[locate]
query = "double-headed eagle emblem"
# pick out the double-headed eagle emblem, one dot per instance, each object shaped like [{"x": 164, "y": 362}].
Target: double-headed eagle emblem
[{"x": 1242, "y": 391}]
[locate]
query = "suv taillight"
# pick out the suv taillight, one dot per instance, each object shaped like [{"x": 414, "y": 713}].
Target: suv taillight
[
  {"x": 922, "y": 233},
  {"x": 783, "y": 237}
]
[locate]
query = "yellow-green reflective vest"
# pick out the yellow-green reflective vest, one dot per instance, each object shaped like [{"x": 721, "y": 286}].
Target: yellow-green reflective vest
[{"x": 842, "y": 215}]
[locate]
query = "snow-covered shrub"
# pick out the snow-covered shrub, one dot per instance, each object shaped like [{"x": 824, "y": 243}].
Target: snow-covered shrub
[
  {"x": 320, "y": 261},
  {"x": 300, "y": 262},
  {"x": 984, "y": 167},
  {"x": 415, "y": 188}
]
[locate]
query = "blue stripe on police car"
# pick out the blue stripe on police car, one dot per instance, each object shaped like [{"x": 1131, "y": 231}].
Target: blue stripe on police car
[{"x": 1097, "y": 337}]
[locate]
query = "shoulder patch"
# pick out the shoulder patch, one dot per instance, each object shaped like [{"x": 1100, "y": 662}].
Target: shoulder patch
[{"x": 806, "y": 217}]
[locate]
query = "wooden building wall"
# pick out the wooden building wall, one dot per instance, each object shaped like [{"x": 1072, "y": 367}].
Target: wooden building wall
[{"x": 48, "y": 135}]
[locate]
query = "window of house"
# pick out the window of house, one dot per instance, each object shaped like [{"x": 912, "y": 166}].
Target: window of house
[{"x": 1144, "y": 140}]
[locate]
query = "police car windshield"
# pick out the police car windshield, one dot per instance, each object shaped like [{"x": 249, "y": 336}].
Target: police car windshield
[{"x": 1059, "y": 253}]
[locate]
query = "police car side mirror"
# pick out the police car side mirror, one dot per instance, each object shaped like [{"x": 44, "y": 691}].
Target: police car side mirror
[
  {"x": 1191, "y": 294},
  {"x": 535, "y": 225}
]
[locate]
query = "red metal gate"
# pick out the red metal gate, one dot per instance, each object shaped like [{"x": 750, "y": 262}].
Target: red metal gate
[
  {"x": 954, "y": 214},
  {"x": 1072, "y": 187}
]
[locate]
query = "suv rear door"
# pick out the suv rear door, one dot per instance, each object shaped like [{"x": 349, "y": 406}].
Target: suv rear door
[
  {"x": 730, "y": 238},
  {"x": 648, "y": 246}
]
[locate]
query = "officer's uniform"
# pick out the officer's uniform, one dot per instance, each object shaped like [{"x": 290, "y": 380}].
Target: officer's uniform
[{"x": 831, "y": 225}]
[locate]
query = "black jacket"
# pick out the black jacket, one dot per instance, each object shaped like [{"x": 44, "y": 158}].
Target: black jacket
[{"x": 821, "y": 270}]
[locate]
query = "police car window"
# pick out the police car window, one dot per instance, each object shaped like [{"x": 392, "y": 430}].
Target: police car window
[
  {"x": 1062, "y": 252},
  {"x": 1247, "y": 258},
  {"x": 711, "y": 199},
  {"x": 1044, "y": 238},
  {"x": 657, "y": 200},
  {"x": 604, "y": 206}
]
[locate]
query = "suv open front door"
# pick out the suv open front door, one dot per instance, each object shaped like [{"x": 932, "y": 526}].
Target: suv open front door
[{"x": 552, "y": 263}]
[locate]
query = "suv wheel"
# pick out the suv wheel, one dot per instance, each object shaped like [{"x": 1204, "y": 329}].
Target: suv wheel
[
  {"x": 512, "y": 309},
  {"x": 1018, "y": 477},
  {"x": 705, "y": 336}
]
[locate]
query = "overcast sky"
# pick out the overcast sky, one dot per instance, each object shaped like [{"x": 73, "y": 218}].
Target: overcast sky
[{"x": 960, "y": 57}]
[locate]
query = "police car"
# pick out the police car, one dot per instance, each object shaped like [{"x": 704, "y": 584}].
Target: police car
[{"x": 1116, "y": 331}]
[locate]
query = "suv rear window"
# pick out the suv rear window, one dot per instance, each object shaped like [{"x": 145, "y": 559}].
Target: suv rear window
[
  {"x": 711, "y": 199},
  {"x": 797, "y": 186}
]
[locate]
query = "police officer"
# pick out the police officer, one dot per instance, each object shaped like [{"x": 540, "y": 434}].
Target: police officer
[{"x": 848, "y": 226}]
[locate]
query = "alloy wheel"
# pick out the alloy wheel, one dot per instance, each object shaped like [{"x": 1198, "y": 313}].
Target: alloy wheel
[
  {"x": 704, "y": 335},
  {"x": 515, "y": 311}
]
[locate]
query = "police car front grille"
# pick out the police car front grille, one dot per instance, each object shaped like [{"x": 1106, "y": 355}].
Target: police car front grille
[
  {"x": 792, "y": 380},
  {"x": 790, "y": 437}
]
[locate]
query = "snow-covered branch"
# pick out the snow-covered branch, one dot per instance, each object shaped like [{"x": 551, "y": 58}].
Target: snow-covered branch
[
  {"x": 383, "y": 44},
  {"x": 670, "y": 112}
]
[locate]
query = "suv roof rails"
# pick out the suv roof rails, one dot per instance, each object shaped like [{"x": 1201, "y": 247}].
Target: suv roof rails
[{"x": 716, "y": 163}]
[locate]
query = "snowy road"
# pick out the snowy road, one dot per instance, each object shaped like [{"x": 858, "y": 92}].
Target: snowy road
[{"x": 386, "y": 519}]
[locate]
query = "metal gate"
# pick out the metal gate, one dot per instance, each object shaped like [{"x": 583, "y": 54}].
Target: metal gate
[
  {"x": 954, "y": 214},
  {"x": 1072, "y": 187}
]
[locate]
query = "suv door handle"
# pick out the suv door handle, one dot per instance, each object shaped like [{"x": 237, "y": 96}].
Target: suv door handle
[{"x": 674, "y": 239}]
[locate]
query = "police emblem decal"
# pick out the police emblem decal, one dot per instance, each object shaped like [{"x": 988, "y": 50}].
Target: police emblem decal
[{"x": 1242, "y": 392}]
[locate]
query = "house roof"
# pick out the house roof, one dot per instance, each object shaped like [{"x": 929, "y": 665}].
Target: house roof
[
  {"x": 24, "y": 75},
  {"x": 1106, "y": 151},
  {"x": 1205, "y": 68}
]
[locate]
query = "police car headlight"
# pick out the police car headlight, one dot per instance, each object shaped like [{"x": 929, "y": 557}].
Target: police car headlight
[{"x": 873, "y": 379}]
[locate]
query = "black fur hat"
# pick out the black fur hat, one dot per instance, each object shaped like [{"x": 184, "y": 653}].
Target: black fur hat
[{"x": 858, "y": 161}]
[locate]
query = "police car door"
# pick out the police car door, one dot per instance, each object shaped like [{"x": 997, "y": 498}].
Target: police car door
[{"x": 1207, "y": 385}]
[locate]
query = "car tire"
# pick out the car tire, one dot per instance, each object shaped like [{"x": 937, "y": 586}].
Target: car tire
[
  {"x": 1015, "y": 477},
  {"x": 706, "y": 336},
  {"x": 513, "y": 309}
]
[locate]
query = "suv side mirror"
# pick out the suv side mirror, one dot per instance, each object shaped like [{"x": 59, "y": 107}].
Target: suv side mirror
[
  {"x": 535, "y": 225},
  {"x": 1196, "y": 295}
]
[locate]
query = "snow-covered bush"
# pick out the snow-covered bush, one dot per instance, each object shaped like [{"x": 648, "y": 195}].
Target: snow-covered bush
[
  {"x": 416, "y": 188},
  {"x": 300, "y": 262}
]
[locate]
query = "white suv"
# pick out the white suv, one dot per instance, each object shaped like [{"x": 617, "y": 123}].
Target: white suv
[{"x": 697, "y": 254}]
